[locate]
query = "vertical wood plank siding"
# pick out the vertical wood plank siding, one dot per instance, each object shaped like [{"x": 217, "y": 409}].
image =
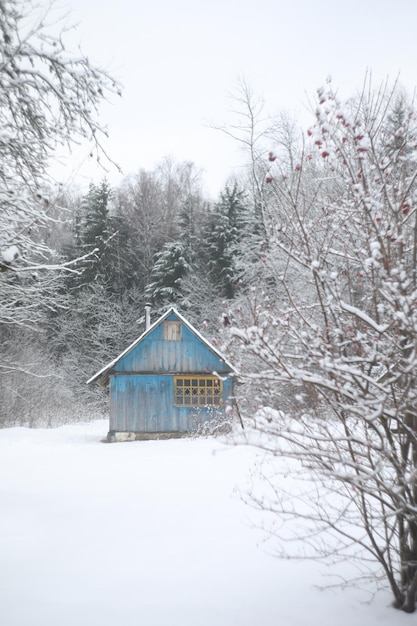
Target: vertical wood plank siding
[{"x": 145, "y": 403}]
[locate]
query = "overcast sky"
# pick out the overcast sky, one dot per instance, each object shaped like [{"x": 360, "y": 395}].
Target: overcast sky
[{"x": 180, "y": 61}]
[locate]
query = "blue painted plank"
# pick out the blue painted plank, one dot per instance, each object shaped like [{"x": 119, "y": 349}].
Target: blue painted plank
[
  {"x": 145, "y": 403},
  {"x": 154, "y": 354}
]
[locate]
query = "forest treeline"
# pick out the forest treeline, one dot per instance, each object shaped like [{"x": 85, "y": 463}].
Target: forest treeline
[{"x": 154, "y": 239}]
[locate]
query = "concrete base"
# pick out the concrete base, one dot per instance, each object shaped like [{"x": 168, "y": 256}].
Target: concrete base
[{"x": 116, "y": 436}]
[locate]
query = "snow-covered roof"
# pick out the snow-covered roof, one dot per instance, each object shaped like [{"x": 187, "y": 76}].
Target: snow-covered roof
[{"x": 102, "y": 375}]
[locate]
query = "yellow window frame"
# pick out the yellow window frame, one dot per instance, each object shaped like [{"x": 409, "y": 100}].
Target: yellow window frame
[{"x": 198, "y": 391}]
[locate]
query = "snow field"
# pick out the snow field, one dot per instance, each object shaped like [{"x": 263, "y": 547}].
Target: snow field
[{"x": 150, "y": 534}]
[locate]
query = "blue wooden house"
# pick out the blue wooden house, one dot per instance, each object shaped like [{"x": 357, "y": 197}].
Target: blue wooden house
[{"x": 166, "y": 382}]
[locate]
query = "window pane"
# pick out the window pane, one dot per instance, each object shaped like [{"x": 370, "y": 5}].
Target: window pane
[{"x": 201, "y": 391}]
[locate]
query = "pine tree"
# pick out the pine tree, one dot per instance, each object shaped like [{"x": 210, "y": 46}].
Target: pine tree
[
  {"x": 92, "y": 231},
  {"x": 171, "y": 267},
  {"x": 224, "y": 233},
  {"x": 102, "y": 238},
  {"x": 190, "y": 225}
]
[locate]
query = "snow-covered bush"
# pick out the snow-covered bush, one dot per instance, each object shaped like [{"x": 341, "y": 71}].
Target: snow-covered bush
[{"x": 345, "y": 221}]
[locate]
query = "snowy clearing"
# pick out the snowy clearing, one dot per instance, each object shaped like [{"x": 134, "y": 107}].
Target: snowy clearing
[{"x": 148, "y": 533}]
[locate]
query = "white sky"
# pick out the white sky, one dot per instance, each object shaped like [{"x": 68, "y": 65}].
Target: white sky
[{"x": 180, "y": 61}]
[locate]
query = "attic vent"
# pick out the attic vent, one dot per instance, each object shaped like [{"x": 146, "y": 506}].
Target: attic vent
[{"x": 172, "y": 331}]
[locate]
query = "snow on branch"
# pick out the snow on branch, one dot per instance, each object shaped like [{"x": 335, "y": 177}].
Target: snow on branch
[{"x": 364, "y": 317}]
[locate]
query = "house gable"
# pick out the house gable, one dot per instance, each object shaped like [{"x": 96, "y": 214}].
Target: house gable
[{"x": 156, "y": 352}]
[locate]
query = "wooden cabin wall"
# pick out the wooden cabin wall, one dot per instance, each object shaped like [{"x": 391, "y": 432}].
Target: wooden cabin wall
[{"x": 145, "y": 403}]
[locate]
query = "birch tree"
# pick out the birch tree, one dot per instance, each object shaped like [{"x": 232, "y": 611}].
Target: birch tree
[{"x": 345, "y": 344}]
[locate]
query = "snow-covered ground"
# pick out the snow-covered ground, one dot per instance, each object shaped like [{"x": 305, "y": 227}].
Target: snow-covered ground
[{"x": 149, "y": 534}]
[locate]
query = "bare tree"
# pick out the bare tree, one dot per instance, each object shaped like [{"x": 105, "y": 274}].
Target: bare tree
[
  {"x": 49, "y": 97},
  {"x": 346, "y": 342},
  {"x": 255, "y": 130}
]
